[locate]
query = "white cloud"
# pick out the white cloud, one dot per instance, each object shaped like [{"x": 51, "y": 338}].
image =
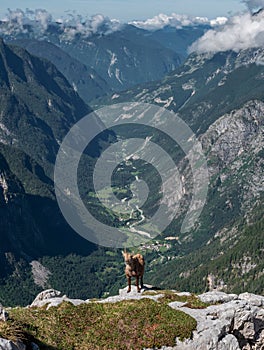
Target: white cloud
[
  {"x": 97, "y": 24},
  {"x": 219, "y": 21},
  {"x": 17, "y": 20},
  {"x": 240, "y": 32},
  {"x": 38, "y": 21},
  {"x": 175, "y": 20},
  {"x": 43, "y": 17}
]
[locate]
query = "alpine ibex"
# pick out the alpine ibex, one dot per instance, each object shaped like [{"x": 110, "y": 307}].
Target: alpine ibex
[{"x": 134, "y": 268}]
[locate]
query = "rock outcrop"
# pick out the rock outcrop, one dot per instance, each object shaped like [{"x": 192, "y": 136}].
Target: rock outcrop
[
  {"x": 9, "y": 345},
  {"x": 229, "y": 322},
  {"x": 3, "y": 314},
  {"x": 52, "y": 297},
  {"x": 236, "y": 322}
]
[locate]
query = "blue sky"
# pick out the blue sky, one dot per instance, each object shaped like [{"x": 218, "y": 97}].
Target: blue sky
[{"x": 130, "y": 9}]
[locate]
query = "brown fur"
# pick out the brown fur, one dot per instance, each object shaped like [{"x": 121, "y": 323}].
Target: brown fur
[{"x": 135, "y": 265}]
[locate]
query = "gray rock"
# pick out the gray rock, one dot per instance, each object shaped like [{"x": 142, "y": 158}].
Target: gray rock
[
  {"x": 54, "y": 302},
  {"x": 123, "y": 292},
  {"x": 184, "y": 294},
  {"x": 9, "y": 345},
  {"x": 133, "y": 294},
  {"x": 163, "y": 348},
  {"x": 3, "y": 314},
  {"x": 57, "y": 301},
  {"x": 40, "y": 273},
  {"x": 244, "y": 322},
  {"x": 216, "y": 297},
  {"x": 52, "y": 297},
  {"x": 229, "y": 342},
  {"x": 46, "y": 295},
  {"x": 253, "y": 299},
  {"x": 232, "y": 325},
  {"x": 259, "y": 345},
  {"x": 176, "y": 304}
]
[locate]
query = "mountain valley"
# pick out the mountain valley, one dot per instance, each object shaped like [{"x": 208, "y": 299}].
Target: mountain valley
[{"x": 219, "y": 95}]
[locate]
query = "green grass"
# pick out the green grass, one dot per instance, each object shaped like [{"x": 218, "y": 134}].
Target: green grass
[
  {"x": 132, "y": 324},
  {"x": 13, "y": 331}
]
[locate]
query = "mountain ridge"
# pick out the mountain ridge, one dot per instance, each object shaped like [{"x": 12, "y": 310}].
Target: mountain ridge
[
  {"x": 123, "y": 56},
  {"x": 31, "y": 130},
  {"x": 83, "y": 78}
]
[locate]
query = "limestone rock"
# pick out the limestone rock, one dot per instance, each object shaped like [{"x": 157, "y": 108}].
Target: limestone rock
[
  {"x": 253, "y": 299},
  {"x": 133, "y": 294},
  {"x": 46, "y": 294},
  {"x": 9, "y": 345},
  {"x": 233, "y": 325},
  {"x": 3, "y": 314},
  {"x": 229, "y": 342},
  {"x": 184, "y": 294},
  {"x": 52, "y": 297},
  {"x": 49, "y": 296},
  {"x": 216, "y": 297}
]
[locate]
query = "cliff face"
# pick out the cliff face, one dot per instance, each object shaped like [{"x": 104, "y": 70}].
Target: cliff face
[
  {"x": 235, "y": 152},
  {"x": 233, "y": 146},
  {"x": 19, "y": 231},
  {"x": 37, "y": 108}
]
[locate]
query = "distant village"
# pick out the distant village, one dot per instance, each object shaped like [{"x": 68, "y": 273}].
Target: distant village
[{"x": 159, "y": 246}]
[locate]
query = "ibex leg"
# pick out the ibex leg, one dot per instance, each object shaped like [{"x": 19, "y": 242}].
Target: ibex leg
[{"x": 129, "y": 284}]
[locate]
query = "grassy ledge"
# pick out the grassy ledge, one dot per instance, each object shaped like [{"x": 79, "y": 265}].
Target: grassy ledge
[{"x": 130, "y": 324}]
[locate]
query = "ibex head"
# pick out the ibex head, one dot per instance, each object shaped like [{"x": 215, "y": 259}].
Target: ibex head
[{"x": 128, "y": 257}]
